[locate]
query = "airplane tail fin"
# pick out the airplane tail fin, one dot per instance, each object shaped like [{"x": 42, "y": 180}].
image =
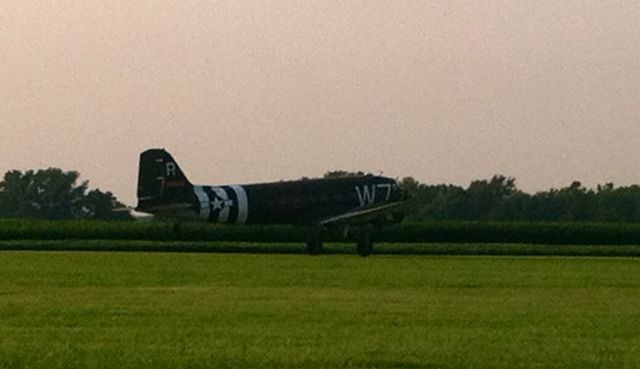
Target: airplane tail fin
[{"x": 161, "y": 181}]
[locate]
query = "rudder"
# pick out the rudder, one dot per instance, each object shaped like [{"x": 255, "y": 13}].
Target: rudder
[{"x": 160, "y": 179}]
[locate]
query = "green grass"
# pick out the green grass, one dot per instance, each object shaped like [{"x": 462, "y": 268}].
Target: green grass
[{"x": 181, "y": 310}]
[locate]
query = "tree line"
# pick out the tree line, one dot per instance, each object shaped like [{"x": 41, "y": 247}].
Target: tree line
[
  {"x": 56, "y": 194},
  {"x": 499, "y": 199}
]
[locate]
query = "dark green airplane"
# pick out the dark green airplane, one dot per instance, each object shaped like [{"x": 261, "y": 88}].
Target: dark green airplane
[{"x": 364, "y": 203}]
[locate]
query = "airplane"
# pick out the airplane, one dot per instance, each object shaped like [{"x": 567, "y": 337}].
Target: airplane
[{"x": 362, "y": 202}]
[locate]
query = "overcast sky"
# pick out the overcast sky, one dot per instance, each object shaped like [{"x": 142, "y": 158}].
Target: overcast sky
[{"x": 243, "y": 91}]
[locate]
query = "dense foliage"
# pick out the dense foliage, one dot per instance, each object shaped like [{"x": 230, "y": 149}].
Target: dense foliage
[
  {"x": 582, "y": 233},
  {"x": 498, "y": 199},
  {"x": 54, "y": 194}
]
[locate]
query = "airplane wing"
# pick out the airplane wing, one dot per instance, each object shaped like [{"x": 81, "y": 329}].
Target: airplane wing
[{"x": 387, "y": 213}]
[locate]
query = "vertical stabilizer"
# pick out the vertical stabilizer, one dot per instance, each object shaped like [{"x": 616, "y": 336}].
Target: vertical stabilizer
[{"x": 161, "y": 181}]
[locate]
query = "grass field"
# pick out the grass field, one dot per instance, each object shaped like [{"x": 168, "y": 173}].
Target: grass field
[{"x": 182, "y": 310}]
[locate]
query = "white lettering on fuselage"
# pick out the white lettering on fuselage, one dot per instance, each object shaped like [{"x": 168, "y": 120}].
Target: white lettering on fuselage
[
  {"x": 367, "y": 193},
  {"x": 172, "y": 170},
  {"x": 388, "y": 187}
]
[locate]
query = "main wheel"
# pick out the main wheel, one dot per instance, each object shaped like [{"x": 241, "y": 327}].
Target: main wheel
[
  {"x": 313, "y": 238},
  {"x": 314, "y": 246},
  {"x": 364, "y": 246}
]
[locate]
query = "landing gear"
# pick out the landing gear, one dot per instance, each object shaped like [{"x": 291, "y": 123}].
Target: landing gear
[
  {"x": 364, "y": 247},
  {"x": 314, "y": 242},
  {"x": 314, "y": 246}
]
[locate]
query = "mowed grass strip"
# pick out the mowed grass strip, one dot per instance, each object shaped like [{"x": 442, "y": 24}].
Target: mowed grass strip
[
  {"x": 329, "y": 248},
  {"x": 181, "y": 310}
]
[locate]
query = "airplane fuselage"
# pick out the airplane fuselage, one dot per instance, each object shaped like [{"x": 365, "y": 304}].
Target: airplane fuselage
[{"x": 292, "y": 202}]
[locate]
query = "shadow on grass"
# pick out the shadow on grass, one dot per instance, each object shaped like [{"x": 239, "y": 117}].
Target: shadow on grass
[{"x": 496, "y": 249}]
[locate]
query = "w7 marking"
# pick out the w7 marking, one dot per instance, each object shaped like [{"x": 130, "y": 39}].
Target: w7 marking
[{"x": 367, "y": 194}]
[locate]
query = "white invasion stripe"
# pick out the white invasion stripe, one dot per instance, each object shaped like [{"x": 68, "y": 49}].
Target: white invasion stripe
[
  {"x": 203, "y": 198},
  {"x": 223, "y": 217},
  {"x": 243, "y": 204}
]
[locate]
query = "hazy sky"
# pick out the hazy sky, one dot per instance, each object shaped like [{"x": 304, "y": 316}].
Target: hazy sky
[{"x": 243, "y": 91}]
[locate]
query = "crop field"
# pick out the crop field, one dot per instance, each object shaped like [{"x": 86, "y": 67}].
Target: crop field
[
  {"x": 542, "y": 233},
  {"x": 221, "y": 310}
]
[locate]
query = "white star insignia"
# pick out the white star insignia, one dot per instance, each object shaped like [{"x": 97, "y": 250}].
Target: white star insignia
[{"x": 217, "y": 204}]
